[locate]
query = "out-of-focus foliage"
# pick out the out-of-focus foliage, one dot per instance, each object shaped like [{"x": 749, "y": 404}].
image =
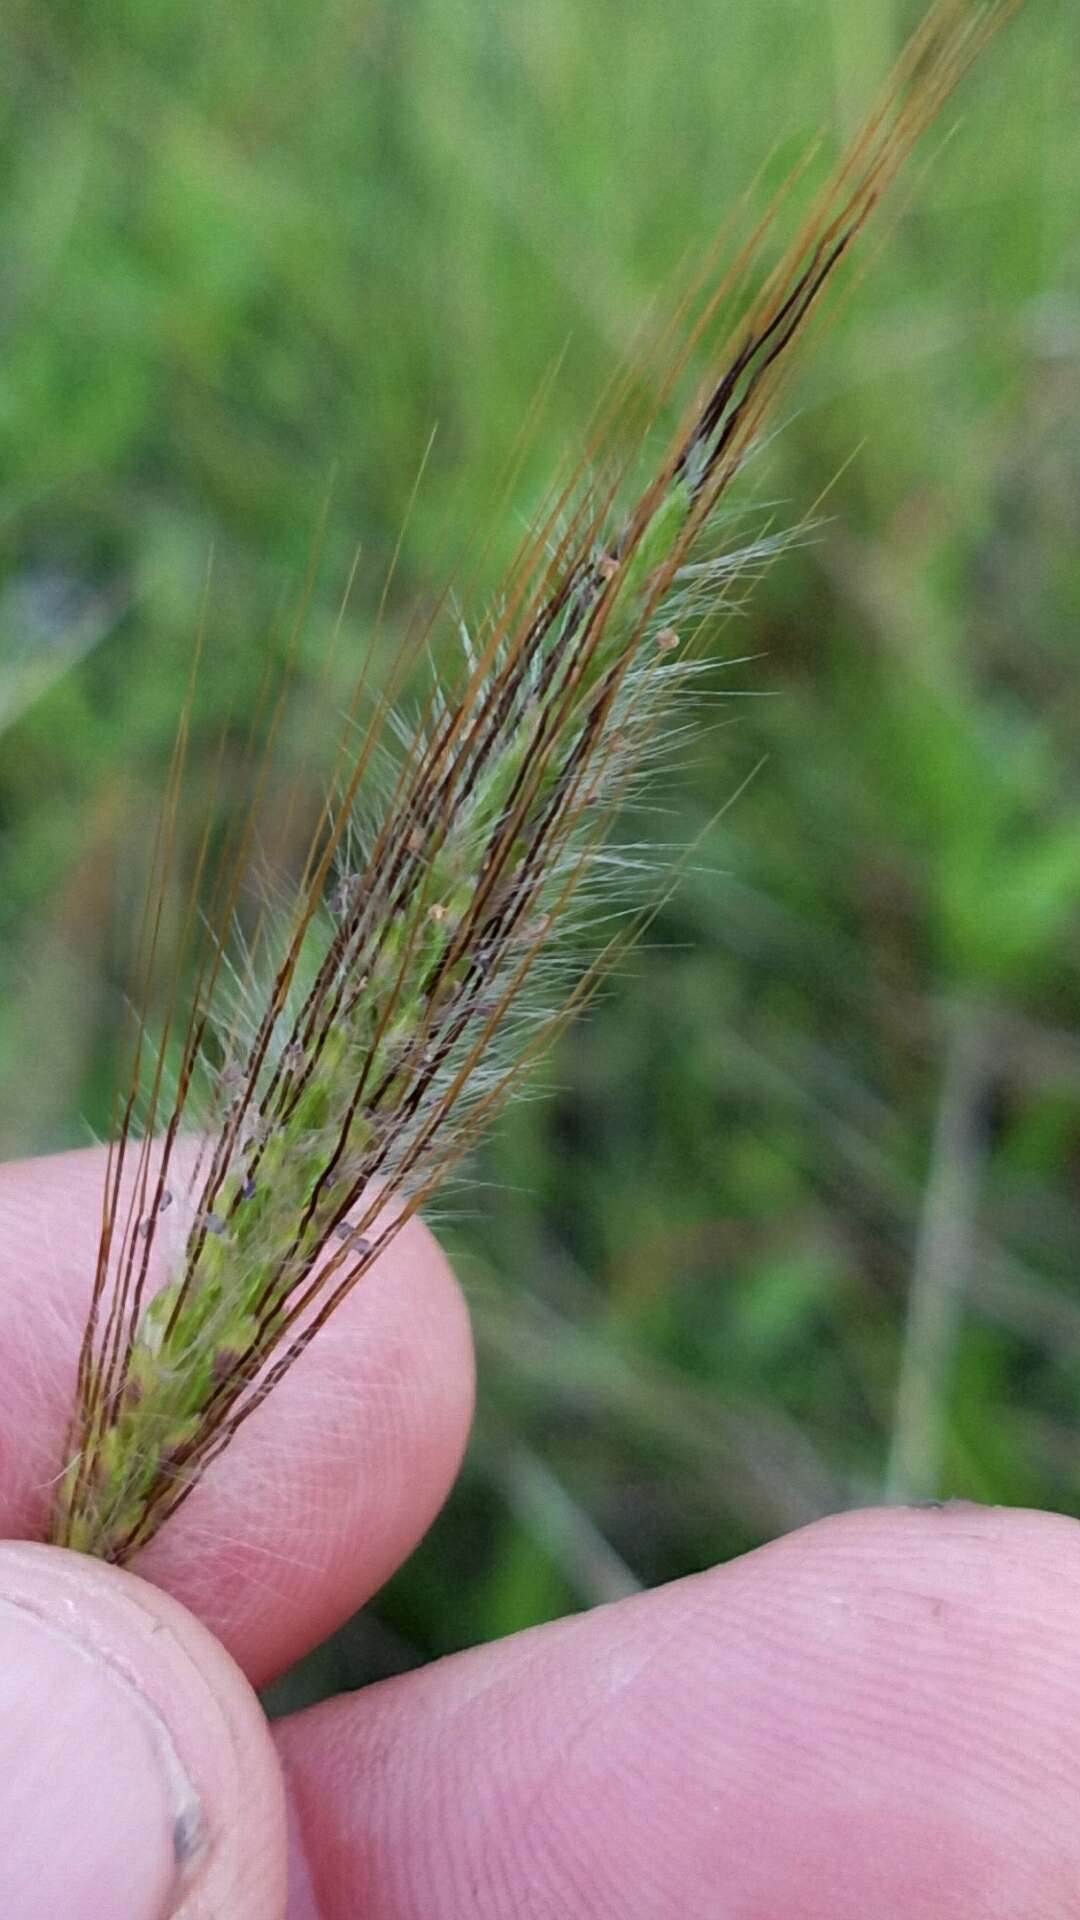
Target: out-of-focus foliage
[{"x": 250, "y": 257}]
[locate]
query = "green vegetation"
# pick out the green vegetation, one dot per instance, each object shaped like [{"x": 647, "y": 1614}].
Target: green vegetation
[{"x": 251, "y": 257}]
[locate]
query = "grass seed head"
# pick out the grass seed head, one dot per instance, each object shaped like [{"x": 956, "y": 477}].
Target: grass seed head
[{"x": 425, "y": 961}]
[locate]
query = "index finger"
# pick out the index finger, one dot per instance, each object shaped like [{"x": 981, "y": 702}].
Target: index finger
[{"x": 322, "y": 1492}]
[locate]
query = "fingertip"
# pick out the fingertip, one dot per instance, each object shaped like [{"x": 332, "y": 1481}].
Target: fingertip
[{"x": 322, "y": 1492}]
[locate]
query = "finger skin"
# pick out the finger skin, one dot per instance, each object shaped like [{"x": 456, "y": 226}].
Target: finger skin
[
  {"x": 872, "y": 1719},
  {"x": 324, "y": 1490},
  {"x": 186, "y": 1813}
]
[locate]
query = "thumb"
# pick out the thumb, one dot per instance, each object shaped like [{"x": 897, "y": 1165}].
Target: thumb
[{"x": 137, "y": 1776}]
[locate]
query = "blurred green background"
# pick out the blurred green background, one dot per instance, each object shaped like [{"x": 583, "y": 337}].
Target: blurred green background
[{"x": 793, "y": 1221}]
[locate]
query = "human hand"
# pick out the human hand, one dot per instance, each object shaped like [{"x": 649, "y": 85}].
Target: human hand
[{"x": 872, "y": 1719}]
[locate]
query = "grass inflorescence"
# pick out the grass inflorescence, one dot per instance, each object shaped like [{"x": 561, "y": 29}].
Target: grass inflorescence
[{"x": 431, "y": 951}]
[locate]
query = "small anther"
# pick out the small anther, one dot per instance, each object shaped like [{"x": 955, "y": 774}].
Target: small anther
[
  {"x": 345, "y": 896},
  {"x": 345, "y": 1231}
]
